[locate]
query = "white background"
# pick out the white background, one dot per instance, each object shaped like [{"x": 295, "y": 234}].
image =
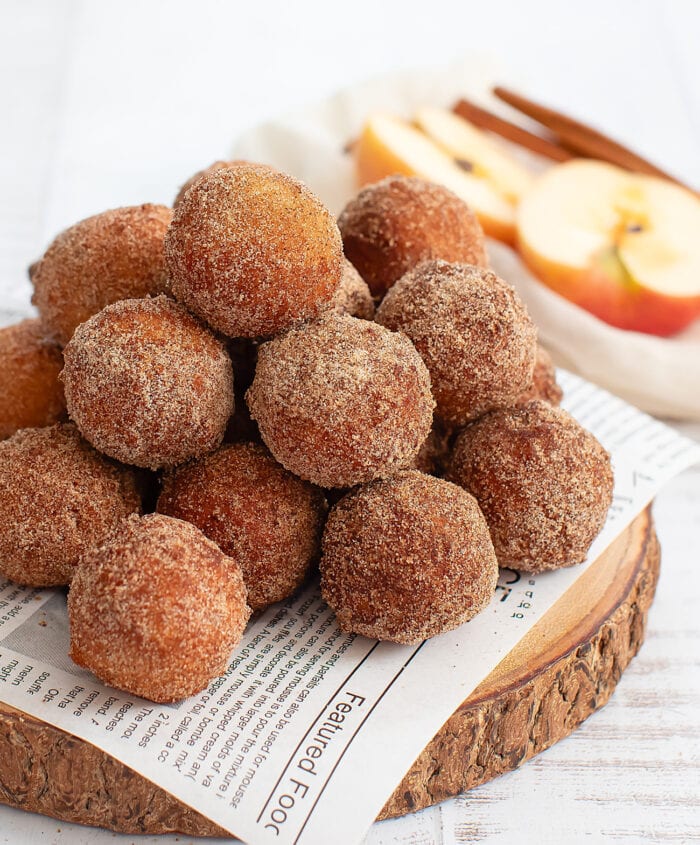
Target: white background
[{"x": 107, "y": 104}]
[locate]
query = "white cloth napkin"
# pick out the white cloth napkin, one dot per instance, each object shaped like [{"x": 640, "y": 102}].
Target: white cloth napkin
[{"x": 661, "y": 376}]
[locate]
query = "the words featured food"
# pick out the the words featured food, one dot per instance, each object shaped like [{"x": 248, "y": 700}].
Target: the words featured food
[{"x": 148, "y": 384}]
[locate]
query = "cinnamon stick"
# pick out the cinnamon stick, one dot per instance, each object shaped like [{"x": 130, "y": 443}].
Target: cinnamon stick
[
  {"x": 511, "y": 131},
  {"x": 580, "y": 138}
]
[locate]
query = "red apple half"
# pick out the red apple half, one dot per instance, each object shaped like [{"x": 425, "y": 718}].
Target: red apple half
[{"x": 623, "y": 246}]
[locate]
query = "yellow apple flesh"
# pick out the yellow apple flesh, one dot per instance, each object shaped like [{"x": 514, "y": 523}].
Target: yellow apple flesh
[
  {"x": 623, "y": 246},
  {"x": 389, "y": 145}
]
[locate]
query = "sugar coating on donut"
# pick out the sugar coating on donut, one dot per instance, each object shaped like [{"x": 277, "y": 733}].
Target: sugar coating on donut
[
  {"x": 114, "y": 255},
  {"x": 266, "y": 519},
  {"x": 407, "y": 558},
  {"x": 58, "y": 499},
  {"x": 252, "y": 251},
  {"x": 157, "y": 609},
  {"x": 148, "y": 384},
  {"x": 472, "y": 331},
  {"x": 544, "y": 381},
  {"x": 392, "y": 225},
  {"x": 543, "y": 482},
  {"x": 341, "y": 401},
  {"x": 31, "y": 394},
  {"x": 353, "y": 297}
]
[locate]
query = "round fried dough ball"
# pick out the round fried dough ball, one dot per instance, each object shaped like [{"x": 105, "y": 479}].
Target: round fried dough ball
[
  {"x": 259, "y": 514},
  {"x": 217, "y": 165},
  {"x": 157, "y": 609},
  {"x": 407, "y": 558},
  {"x": 395, "y": 224},
  {"x": 252, "y": 251},
  {"x": 114, "y": 255},
  {"x": 543, "y": 482},
  {"x": 353, "y": 297},
  {"x": 30, "y": 392},
  {"x": 472, "y": 331},
  {"x": 147, "y": 384},
  {"x": 341, "y": 401},
  {"x": 544, "y": 381},
  {"x": 58, "y": 499}
]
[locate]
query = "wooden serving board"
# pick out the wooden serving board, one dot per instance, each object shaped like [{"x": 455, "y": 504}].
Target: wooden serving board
[{"x": 562, "y": 671}]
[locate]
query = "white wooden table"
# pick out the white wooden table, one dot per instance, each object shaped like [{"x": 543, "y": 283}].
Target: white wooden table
[{"x": 113, "y": 104}]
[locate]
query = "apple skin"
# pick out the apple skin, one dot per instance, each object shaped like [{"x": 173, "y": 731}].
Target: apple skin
[
  {"x": 374, "y": 161},
  {"x": 606, "y": 290}
]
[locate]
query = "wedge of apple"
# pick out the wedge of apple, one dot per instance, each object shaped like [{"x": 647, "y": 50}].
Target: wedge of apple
[
  {"x": 448, "y": 150},
  {"x": 623, "y": 246}
]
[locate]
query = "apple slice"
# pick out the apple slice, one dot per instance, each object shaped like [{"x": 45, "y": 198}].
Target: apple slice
[
  {"x": 623, "y": 246},
  {"x": 389, "y": 145},
  {"x": 472, "y": 148}
]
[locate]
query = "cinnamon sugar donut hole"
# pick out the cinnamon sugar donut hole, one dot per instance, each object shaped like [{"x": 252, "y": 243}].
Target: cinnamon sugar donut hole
[
  {"x": 157, "y": 609},
  {"x": 353, "y": 297},
  {"x": 148, "y": 384},
  {"x": 30, "y": 391},
  {"x": 544, "y": 381},
  {"x": 251, "y": 251},
  {"x": 341, "y": 401},
  {"x": 391, "y": 226},
  {"x": 407, "y": 558},
  {"x": 266, "y": 519},
  {"x": 472, "y": 331},
  {"x": 114, "y": 255},
  {"x": 217, "y": 165},
  {"x": 58, "y": 499},
  {"x": 543, "y": 482}
]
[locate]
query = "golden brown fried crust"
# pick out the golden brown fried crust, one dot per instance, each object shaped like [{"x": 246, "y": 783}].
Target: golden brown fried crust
[
  {"x": 259, "y": 514},
  {"x": 157, "y": 609},
  {"x": 544, "y": 381},
  {"x": 217, "y": 165},
  {"x": 395, "y": 224},
  {"x": 58, "y": 499},
  {"x": 30, "y": 392},
  {"x": 472, "y": 331},
  {"x": 252, "y": 251},
  {"x": 407, "y": 558},
  {"x": 114, "y": 255},
  {"x": 148, "y": 384},
  {"x": 543, "y": 482},
  {"x": 353, "y": 297},
  {"x": 341, "y": 401}
]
